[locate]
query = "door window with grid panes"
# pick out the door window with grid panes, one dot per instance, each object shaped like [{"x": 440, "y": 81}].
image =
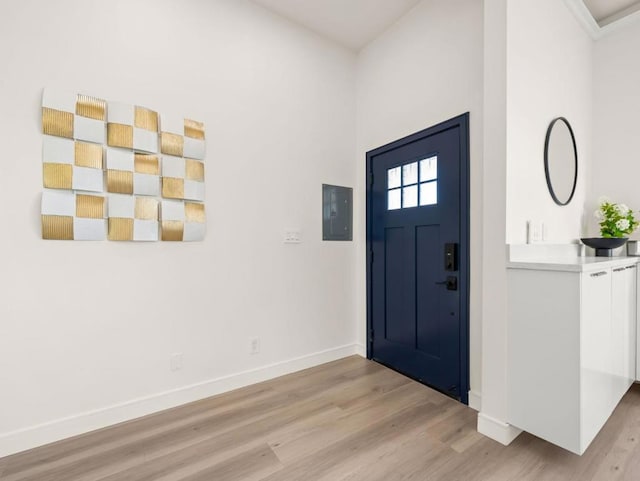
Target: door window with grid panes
[{"x": 413, "y": 184}]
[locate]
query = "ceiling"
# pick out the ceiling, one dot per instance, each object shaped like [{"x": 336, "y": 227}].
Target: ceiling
[
  {"x": 608, "y": 11},
  {"x": 351, "y": 23},
  {"x": 355, "y": 23}
]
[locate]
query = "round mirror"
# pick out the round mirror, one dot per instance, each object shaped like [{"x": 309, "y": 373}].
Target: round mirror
[{"x": 561, "y": 161}]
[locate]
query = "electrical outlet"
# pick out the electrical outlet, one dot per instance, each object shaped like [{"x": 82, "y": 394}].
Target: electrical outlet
[
  {"x": 175, "y": 361},
  {"x": 255, "y": 346}
]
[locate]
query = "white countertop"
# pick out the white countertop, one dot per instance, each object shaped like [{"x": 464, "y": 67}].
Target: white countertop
[{"x": 572, "y": 264}]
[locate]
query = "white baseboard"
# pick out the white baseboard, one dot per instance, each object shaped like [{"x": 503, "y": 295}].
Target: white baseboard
[
  {"x": 31, "y": 437},
  {"x": 475, "y": 400},
  {"x": 361, "y": 350},
  {"x": 497, "y": 430}
]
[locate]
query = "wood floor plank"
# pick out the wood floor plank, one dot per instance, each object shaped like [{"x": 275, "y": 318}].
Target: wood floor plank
[
  {"x": 131, "y": 446},
  {"x": 349, "y": 420},
  {"x": 632, "y": 467},
  {"x": 478, "y": 463},
  {"x": 77, "y": 451},
  {"x": 219, "y": 415},
  {"x": 409, "y": 458},
  {"x": 330, "y": 460},
  {"x": 364, "y": 389},
  {"x": 320, "y": 376},
  {"x": 253, "y": 465},
  {"x": 624, "y": 445},
  {"x": 222, "y": 428},
  {"x": 83, "y": 446},
  {"x": 225, "y": 444}
]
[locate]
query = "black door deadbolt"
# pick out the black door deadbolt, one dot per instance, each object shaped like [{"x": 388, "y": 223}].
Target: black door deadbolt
[{"x": 451, "y": 257}]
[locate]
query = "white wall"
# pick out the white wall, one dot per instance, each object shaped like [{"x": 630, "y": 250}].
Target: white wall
[
  {"x": 494, "y": 274},
  {"x": 88, "y": 326},
  {"x": 537, "y": 67},
  {"x": 425, "y": 69},
  {"x": 549, "y": 68},
  {"x": 616, "y": 153}
]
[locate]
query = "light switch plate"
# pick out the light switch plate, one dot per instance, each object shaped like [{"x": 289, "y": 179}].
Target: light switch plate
[
  {"x": 292, "y": 236},
  {"x": 535, "y": 232}
]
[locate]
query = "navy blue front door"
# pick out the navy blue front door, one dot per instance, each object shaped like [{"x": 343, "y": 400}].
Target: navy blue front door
[{"x": 417, "y": 229}]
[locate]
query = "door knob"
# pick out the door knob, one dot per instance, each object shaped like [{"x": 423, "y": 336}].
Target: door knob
[{"x": 451, "y": 283}]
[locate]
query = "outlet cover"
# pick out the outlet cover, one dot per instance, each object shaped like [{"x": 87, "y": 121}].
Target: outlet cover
[{"x": 175, "y": 361}]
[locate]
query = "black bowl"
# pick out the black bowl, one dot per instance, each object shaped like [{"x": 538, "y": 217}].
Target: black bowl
[{"x": 604, "y": 242}]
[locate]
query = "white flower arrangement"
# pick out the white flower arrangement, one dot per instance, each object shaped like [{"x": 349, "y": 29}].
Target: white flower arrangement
[{"x": 616, "y": 220}]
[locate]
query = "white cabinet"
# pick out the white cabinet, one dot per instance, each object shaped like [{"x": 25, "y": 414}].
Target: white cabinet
[
  {"x": 624, "y": 307},
  {"x": 571, "y": 346},
  {"x": 596, "y": 355}
]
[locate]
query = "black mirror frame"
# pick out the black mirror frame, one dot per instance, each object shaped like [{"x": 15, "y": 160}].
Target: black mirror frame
[{"x": 546, "y": 161}]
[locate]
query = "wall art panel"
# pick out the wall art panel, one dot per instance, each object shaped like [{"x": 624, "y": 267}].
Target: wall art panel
[
  {"x": 133, "y": 218},
  {"x": 69, "y": 164},
  {"x": 182, "y": 221},
  {"x": 137, "y": 156},
  {"x": 70, "y": 216},
  {"x": 89, "y": 122},
  {"x": 182, "y": 178}
]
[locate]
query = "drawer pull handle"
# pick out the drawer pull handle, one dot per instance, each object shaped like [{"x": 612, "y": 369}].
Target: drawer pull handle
[
  {"x": 631, "y": 267},
  {"x": 598, "y": 274},
  {"x": 620, "y": 269}
]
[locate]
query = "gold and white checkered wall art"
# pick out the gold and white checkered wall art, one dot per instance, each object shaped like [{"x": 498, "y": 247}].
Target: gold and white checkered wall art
[
  {"x": 182, "y": 221},
  {"x": 129, "y": 172},
  {"x": 182, "y": 138},
  {"x": 109, "y": 168},
  {"x": 67, "y": 215},
  {"x": 182, "y": 178},
  {"x": 132, "y": 127},
  {"x": 133, "y": 218},
  {"x": 68, "y": 164},
  {"x": 73, "y": 116}
]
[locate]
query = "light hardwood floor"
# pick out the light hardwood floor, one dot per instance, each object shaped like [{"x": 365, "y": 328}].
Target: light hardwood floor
[{"x": 347, "y": 420}]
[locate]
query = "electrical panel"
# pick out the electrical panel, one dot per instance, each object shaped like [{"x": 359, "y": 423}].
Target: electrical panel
[{"x": 337, "y": 213}]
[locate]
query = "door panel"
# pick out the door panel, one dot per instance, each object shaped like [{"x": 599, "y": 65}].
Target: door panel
[
  {"x": 417, "y": 203},
  {"x": 429, "y": 332},
  {"x": 397, "y": 325}
]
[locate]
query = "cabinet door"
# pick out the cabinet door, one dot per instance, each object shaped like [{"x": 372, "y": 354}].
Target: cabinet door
[
  {"x": 623, "y": 319},
  {"x": 632, "y": 273},
  {"x": 595, "y": 353}
]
